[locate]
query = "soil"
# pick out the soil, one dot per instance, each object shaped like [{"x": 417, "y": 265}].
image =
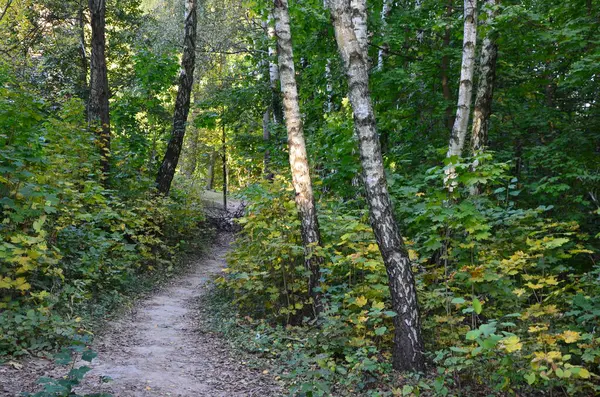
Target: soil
[{"x": 158, "y": 350}]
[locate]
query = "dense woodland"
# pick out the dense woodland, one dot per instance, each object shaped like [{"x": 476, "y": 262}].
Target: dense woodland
[{"x": 421, "y": 181}]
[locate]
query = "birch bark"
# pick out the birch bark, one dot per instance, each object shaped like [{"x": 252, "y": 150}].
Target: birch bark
[
  {"x": 408, "y": 344},
  {"x": 465, "y": 92},
  {"x": 485, "y": 87},
  {"x": 301, "y": 179}
]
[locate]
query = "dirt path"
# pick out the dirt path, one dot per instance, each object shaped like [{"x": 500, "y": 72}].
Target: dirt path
[{"x": 158, "y": 351}]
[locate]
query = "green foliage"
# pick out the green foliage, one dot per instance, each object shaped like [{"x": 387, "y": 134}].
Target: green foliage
[
  {"x": 69, "y": 247},
  {"x": 68, "y": 357}
]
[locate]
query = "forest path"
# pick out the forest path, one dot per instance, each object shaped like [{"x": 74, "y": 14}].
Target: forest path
[{"x": 159, "y": 350}]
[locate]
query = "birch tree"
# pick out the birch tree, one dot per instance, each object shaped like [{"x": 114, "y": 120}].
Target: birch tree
[
  {"x": 485, "y": 87},
  {"x": 301, "y": 179},
  {"x": 182, "y": 103},
  {"x": 387, "y": 7},
  {"x": 465, "y": 92},
  {"x": 98, "y": 108},
  {"x": 408, "y": 345}
]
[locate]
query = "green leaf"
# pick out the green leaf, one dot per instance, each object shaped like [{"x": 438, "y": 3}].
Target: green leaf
[
  {"x": 530, "y": 378},
  {"x": 473, "y": 334},
  {"x": 477, "y": 305},
  {"x": 380, "y": 331}
]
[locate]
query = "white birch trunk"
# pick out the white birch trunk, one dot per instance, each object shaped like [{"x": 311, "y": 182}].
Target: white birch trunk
[
  {"x": 485, "y": 90},
  {"x": 465, "y": 92},
  {"x": 408, "y": 345},
  {"x": 359, "y": 21},
  {"x": 385, "y": 11},
  {"x": 297, "y": 149}
]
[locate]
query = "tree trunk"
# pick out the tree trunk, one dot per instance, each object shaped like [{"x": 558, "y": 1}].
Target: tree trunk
[
  {"x": 408, "y": 345},
  {"x": 182, "y": 103},
  {"x": 85, "y": 64},
  {"x": 224, "y": 159},
  {"x": 465, "y": 93},
  {"x": 274, "y": 107},
  {"x": 267, "y": 174},
  {"x": 98, "y": 110},
  {"x": 297, "y": 151},
  {"x": 485, "y": 89},
  {"x": 385, "y": 11},
  {"x": 210, "y": 178},
  {"x": 359, "y": 21}
]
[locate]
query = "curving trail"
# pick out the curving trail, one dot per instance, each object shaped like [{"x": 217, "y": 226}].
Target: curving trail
[
  {"x": 158, "y": 349},
  {"x": 160, "y": 352}
]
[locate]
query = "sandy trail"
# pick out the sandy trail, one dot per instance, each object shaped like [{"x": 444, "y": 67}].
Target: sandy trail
[{"x": 158, "y": 349}]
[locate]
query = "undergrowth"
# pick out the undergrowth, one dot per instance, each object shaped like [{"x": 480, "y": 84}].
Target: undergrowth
[{"x": 508, "y": 295}]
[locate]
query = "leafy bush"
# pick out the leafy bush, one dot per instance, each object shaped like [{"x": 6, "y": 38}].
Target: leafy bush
[
  {"x": 507, "y": 295},
  {"x": 68, "y": 245}
]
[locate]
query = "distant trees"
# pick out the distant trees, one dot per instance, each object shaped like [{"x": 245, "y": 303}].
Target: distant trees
[{"x": 182, "y": 103}]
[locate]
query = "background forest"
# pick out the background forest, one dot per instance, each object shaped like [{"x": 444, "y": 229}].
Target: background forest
[{"x": 493, "y": 176}]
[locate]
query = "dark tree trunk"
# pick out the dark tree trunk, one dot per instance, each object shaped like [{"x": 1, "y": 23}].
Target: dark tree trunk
[
  {"x": 297, "y": 151},
  {"x": 98, "y": 110},
  {"x": 210, "y": 178},
  {"x": 408, "y": 345},
  {"x": 224, "y": 158},
  {"x": 182, "y": 103}
]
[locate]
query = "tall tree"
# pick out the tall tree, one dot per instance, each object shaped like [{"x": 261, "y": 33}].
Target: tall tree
[
  {"x": 408, "y": 345},
  {"x": 182, "y": 103},
  {"x": 98, "y": 109},
  {"x": 465, "y": 92},
  {"x": 301, "y": 179},
  {"x": 485, "y": 86}
]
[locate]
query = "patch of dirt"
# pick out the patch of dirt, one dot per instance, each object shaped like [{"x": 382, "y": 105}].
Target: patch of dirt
[{"x": 158, "y": 350}]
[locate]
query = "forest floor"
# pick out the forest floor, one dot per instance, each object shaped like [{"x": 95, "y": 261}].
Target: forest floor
[{"x": 158, "y": 349}]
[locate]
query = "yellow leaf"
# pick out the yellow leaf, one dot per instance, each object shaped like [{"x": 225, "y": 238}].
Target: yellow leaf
[
  {"x": 378, "y": 305},
  {"x": 584, "y": 373},
  {"x": 21, "y": 284},
  {"x": 570, "y": 336},
  {"x": 519, "y": 292},
  {"x": 511, "y": 344},
  {"x": 361, "y": 301}
]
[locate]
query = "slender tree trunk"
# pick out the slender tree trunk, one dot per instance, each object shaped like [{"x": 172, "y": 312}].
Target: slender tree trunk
[
  {"x": 267, "y": 174},
  {"x": 444, "y": 67},
  {"x": 385, "y": 11},
  {"x": 408, "y": 345},
  {"x": 274, "y": 107},
  {"x": 297, "y": 150},
  {"x": 192, "y": 157},
  {"x": 485, "y": 89},
  {"x": 210, "y": 178},
  {"x": 465, "y": 93},
  {"x": 329, "y": 87},
  {"x": 98, "y": 110},
  {"x": 224, "y": 158},
  {"x": 182, "y": 103},
  {"x": 85, "y": 64}
]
